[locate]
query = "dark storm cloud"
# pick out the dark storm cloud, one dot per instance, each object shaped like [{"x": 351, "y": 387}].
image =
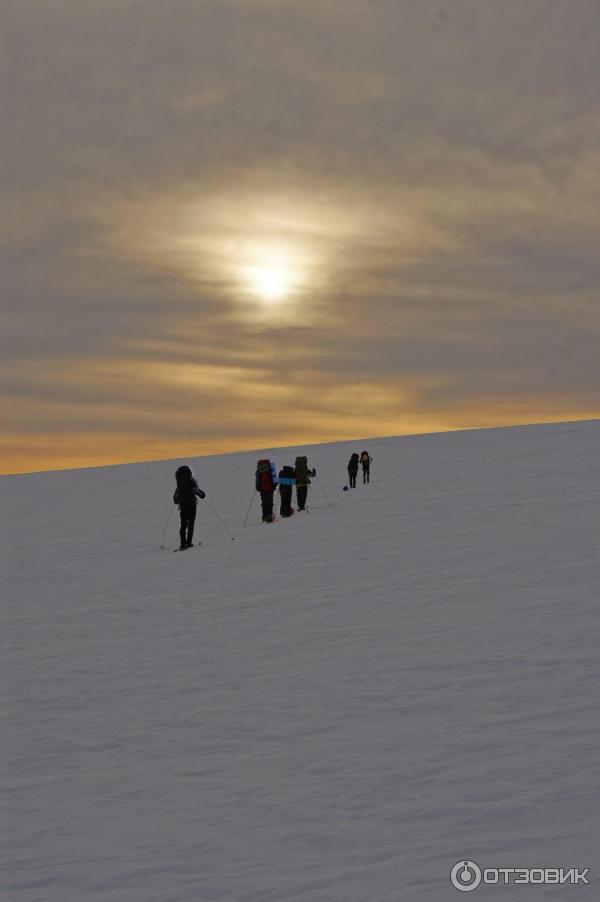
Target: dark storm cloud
[{"x": 438, "y": 164}]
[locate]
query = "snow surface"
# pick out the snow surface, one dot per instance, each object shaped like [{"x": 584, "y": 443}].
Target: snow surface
[{"x": 334, "y": 708}]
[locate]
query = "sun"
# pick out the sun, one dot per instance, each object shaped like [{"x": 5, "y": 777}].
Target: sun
[{"x": 271, "y": 281}]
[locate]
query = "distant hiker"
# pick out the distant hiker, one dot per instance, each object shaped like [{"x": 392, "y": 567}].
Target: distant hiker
[
  {"x": 353, "y": 470},
  {"x": 287, "y": 482},
  {"x": 302, "y": 475},
  {"x": 365, "y": 461},
  {"x": 185, "y": 496},
  {"x": 266, "y": 483}
]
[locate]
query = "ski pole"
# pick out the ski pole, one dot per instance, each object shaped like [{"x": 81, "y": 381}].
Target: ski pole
[
  {"x": 219, "y": 518},
  {"x": 248, "y": 514},
  {"x": 323, "y": 490},
  {"x": 162, "y": 541}
]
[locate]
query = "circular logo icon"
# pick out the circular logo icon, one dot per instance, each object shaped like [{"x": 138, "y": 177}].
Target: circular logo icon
[{"x": 465, "y": 876}]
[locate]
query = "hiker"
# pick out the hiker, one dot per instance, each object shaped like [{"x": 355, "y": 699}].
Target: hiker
[
  {"x": 266, "y": 483},
  {"x": 365, "y": 461},
  {"x": 353, "y": 470},
  {"x": 186, "y": 495},
  {"x": 287, "y": 482},
  {"x": 302, "y": 475}
]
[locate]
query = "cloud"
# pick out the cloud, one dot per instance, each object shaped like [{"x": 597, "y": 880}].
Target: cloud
[{"x": 428, "y": 172}]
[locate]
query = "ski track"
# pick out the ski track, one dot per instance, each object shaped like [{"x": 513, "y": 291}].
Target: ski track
[{"x": 332, "y": 708}]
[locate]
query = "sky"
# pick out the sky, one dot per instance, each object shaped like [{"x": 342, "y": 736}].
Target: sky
[{"x": 237, "y": 224}]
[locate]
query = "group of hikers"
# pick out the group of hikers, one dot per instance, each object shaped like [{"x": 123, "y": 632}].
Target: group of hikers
[
  {"x": 267, "y": 482},
  {"x": 365, "y": 462}
]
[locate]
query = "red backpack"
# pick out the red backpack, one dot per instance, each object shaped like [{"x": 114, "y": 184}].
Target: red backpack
[{"x": 264, "y": 476}]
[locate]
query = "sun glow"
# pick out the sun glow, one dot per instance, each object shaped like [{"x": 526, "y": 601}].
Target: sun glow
[{"x": 271, "y": 281}]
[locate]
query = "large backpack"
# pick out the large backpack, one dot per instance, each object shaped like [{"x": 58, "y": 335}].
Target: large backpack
[
  {"x": 185, "y": 483},
  {"x": 183, "y": 475},
  {"x": 301, "y": 470},
  {"x": 264, "y": 476},
  {"x": 286, "y": 476}
]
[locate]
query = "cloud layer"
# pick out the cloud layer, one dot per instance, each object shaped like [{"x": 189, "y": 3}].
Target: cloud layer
[{"x": 427, "y": 173}]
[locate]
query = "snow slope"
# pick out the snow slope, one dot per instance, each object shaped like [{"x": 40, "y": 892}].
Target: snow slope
[{"x": 335, "y": 708}]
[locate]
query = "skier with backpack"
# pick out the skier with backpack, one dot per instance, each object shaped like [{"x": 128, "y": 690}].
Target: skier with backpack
[
  {"x": 286, "y": 485},
  {"x": 365, "y": 461},
  {"x": 186, "y": 495},
  {"x": 302, "y": 475},
  {"x": 353, "y": 470},
  {"x": 266, "y": 483}
]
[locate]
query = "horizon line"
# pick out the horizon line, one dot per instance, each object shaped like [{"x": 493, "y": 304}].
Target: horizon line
[{"x": 264, "y": 448}]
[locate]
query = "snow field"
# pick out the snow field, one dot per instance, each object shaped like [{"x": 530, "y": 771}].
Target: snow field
[{"x": 333, "y": 708}]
